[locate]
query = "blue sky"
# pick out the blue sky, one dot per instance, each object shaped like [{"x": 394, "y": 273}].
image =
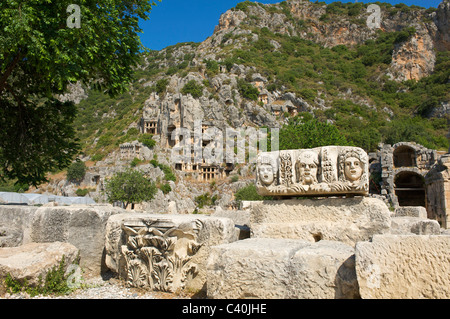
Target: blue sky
[{"x": 174, "y": 21}]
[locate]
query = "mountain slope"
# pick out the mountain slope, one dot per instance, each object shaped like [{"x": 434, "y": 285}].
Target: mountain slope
[{"x": 376, "y": 85}]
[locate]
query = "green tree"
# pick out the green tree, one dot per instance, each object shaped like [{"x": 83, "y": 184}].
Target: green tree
[
  {"x": 161, "y": 85},
  {"x": 76, "y": 172},
  {"x": 40, "y": 55},
  {"x": 308, "y": 132},
  {"x": 130, "y": 187}
]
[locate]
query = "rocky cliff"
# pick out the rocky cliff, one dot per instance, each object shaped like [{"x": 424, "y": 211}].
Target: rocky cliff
[
  {"x": 267, "y": 63},
  {"x": 413, "y": 59}
]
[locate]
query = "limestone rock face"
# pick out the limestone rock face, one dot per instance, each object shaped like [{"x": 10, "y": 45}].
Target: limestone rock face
[
  {"x": 164, "y": 252},
  {"x": 341, "y": 219},
  {"x": 28, "y": 262},
  {"x": 414, "y": 59},
  {"x": 266, "y": 268},
  {"x": 404, "y": 267},
  {"x": 442, "y": 19}
]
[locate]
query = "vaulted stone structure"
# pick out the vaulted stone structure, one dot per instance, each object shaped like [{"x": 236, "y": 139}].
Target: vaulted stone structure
[{"x": 413, "y": 175}]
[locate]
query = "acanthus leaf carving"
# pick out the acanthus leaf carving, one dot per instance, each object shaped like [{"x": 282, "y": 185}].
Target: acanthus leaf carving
[{"x": 159, "y": 257}]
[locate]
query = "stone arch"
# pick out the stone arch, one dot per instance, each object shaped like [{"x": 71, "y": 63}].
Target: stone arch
[
  {"x": 405, "y": 156},
  {"x": 410, "y": 188}
]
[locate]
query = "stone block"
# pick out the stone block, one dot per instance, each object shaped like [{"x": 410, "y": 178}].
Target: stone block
[
  {"x": 19, "y": 218},
  {"x": 80, "y": 225},
  {"x": 266, "y": 268},
  {"x": 411, "y": 211},
  {"x": 404, "y": 267},
  {"x": 241, "y": 219},
  {"x": 10, "y": 237},
  {"x": 339, "y": 219},
  {"x": 31, "y": 261},
  {"x": 414, "y": 225},
  {"x": 164, "y": 252}
]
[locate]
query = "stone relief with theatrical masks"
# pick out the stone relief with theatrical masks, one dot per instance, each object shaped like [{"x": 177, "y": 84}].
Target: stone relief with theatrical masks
[{"x": 321, "y": 171}]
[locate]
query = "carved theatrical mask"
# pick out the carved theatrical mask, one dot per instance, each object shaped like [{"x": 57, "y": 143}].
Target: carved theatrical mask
[
  {"x": 353, "y": 169},
  {"x": 307, "y": 165},
  {"x": 266, "y": 174},
  {"x": 267, "y": 170}
]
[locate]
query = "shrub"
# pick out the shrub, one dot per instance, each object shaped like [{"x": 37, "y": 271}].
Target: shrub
[
  {"x": 56, "y": 282},
  {"x": 244, "y": 5},
  {"x": 205, "y": 200},
  {"x": 165, "y": 188},
  {"x": 309, "y": 132},
  {"x": 147, "y": 140},
  {"x": 82, "y": 192},
  {"x": 161, "y": 85},
  {"x": 212, "y": 66},
  {"x": 168, "y": 174},
  {"x": 308, "y": 94},
  {"x": 193, "y": 88},
  {"x": 97, "y": 157},
  {"x": 135, "y": 162},
  {"x": 249, "y": 193},
  {"x": 247, "y": 90}
]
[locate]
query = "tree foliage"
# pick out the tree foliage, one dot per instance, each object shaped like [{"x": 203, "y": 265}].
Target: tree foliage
[
  {"x": 308, "y": 132},
  {"x": 76, "y": 171},
  {"x": 193, "y": 88},
  {"x": 40, "y": 55},
  {"x": 130, "y": 187},
  {"x": 247, "y": 90},
  {"x": 147, "y": 140}
]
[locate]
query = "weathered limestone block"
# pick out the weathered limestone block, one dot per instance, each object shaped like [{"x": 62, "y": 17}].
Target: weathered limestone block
[
  {"x": 267, "y": 268},
  {"x": 404, "y": 267},
  {"x": 411, "y": 211},
  {"x": 322, "y": 171},
  {"x": 10, "y": 237},
  {"x": 28, "y": 262},
  {"x": 19, "y": 218},
  {"x": 164, "y": 252},
  {"x": 80, "y": 225},
  {"x": 241, "y": 219},
  {"x": 340, "y": 219},
  {"x": 414, "y": 225}
]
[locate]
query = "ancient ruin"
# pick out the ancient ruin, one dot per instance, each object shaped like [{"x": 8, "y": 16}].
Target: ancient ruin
[
  {"x": 412, "y": 175},
  {"x": 322, "y": 171},
  {"x": 158, "y": 254}
]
